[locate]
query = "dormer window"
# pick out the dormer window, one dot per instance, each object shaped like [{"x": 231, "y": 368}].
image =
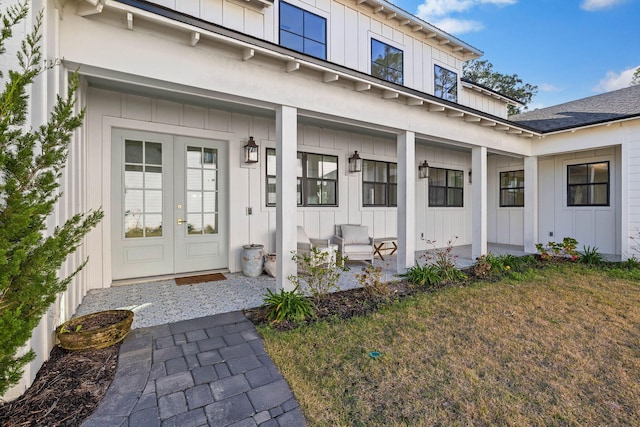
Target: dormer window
[
  {"x": 386, "y": 62},
  {"x": 445, "y": 84},
  {"x": 303, "y": 31}
]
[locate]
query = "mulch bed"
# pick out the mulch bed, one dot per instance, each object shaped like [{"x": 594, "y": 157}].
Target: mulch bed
[{"x": 66, "y": 390}]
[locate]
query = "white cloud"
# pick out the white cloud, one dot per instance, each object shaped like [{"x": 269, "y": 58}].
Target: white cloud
[
  {"x": 458, "y": 26},
  {"x": 547, "y": 87},
  {"x": 613, "y": 80},
  {"x": 592, "y": 5},
  {"x": 438, "y": 13}
]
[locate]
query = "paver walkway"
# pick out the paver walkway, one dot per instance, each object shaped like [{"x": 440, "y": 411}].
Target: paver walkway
[{"x": 210, "y": 371}]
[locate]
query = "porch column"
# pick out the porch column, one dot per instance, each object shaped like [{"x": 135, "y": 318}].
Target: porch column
[
  {"x": 479, "y": 202},
  {"x": 286, "y": 194},
  {"x": 530, "y": 204},
  {"x": 406, "y": 211}
]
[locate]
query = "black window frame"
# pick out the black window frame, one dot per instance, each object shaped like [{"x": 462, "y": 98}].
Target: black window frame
[
  {"x": 387, "y": 184},
  {"x": 438, "y": 188},
  {"x": 303, "y": 180},
  {"x": 589, "y": 184},
  {"x": 517, "y": 189},
  {"x": 305, "y": 35},
  {"x": 385, "y": 65},
  {"x": 439, "y": 89}
]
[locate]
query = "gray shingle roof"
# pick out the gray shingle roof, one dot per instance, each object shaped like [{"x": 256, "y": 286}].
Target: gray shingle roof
[{"x": 602, "y": 108}]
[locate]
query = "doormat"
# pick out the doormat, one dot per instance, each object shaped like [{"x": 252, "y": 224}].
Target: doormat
[{"x": 191, "y": 280}]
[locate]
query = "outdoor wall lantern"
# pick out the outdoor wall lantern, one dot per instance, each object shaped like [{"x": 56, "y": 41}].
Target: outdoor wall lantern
[
  {"x": 355, "y": 163},
  {"x": 423, "y": 170},
  {"x": 470, "y": 176},
  {"x": 251, "y": 152}
]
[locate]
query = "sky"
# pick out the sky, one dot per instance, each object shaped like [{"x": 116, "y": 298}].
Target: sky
[{"x": 570, "y": 49}]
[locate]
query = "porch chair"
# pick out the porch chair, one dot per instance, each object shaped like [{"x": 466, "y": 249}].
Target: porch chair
[
  {"x": 354, "y": 242},
  {"x": 305, "y": 244}
]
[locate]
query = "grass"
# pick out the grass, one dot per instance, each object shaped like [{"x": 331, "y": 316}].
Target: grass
[{"x": 562, "y": 348}]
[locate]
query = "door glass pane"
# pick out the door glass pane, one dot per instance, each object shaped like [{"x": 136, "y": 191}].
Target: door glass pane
[
  {"x": 194, "y": 224},
  {"x": 133, "y": 224},
  {"x": 153, "y": 201},
  {"x": 210, "y": 180},
  {"x": 133, "y": 151},
  {"x": 194, "y": 201},
  {"x": 209, "y": 202},
  {"x": 194, "y": 179},
  {"x": 153, "y": 177},
  {"x": 133, "y": 201},
  {"x": 153, "y": 153},
  {"x": 133, "y": 177},
  {"x": 210, "y": 224},
  {"x": 194, "y": 156},
  {"x": 153, "y": 225},
  {"x": 209, "y": 158}
]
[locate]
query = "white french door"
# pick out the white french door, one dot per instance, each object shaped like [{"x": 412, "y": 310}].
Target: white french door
[{"x": 169, "y": 204}]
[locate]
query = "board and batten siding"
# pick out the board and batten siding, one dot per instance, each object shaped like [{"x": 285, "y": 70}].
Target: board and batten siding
[
  {"x": 441, "y": 225},
  {"x": 632, "y": 247},
  {"x": 505, "y": 225},
  {"x": 594, "y": 226},
  {"x": 349, "y": 32}
]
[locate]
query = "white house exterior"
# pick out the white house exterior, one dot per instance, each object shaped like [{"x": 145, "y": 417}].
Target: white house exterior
[{"x": 173, "y": 91}]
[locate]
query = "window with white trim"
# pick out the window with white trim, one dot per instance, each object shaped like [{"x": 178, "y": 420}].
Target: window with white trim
[
  {"x": 512, "y": 189},
  {"x": 303, "y": 31},
  {"x": 379, "y": 183},
  {"x": 317, "y": 179},
  {"x": 445, "y": 84},
  {"x": 588, "y": 184},
  {"x": 446, "y": 187},
  {"x": 386, "y": 62}
]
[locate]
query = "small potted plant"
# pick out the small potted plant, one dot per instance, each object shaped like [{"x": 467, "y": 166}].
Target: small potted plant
[{"x": 96, "y": 330}]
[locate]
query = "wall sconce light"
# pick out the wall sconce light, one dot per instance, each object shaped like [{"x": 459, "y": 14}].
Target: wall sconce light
[
  {"x": 423, "y": 170},
  {"x": 251, "y": 151},
  {"x": 355, "y": 163},
  {"x": 470, "y": 176}
]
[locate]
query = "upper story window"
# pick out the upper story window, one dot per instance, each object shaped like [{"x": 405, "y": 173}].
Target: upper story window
[
  {"x": 303, "y": 31},
  {"x": 317, "y": 179},
  {"x": 512, "y": 189},
  {"x": 588, "y": 184},
  {"x": 379, "y": 183},
  {"x": 386, "y": 62},
  {"x": 446, "y": 187},
  {"x": 445, "y": 84}
]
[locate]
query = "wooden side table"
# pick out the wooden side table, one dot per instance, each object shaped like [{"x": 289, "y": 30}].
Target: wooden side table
[{"x": 382, "y": 243}]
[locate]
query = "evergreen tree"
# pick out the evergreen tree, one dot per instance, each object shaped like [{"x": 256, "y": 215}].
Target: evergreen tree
[{"x": 31, "y": 163}]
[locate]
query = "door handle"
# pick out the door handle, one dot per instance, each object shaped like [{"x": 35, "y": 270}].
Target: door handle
[{"x": 180, "y": 221}]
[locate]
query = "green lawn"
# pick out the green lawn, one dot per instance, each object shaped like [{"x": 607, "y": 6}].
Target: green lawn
[{"x": 561, "y": 348}]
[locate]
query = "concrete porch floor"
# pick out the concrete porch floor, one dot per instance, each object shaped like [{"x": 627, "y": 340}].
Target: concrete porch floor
[{"x": 161, "y": 302}]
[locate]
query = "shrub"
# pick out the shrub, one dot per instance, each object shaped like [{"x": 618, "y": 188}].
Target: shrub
[
  {"x": 31, "y": 164},
  {"x": 559, "y": 251},
  {"x": 423, "y": 275},
  {"x": 370, "y": 279},
  {"x": 444, "y": 261},
  {"x": 320, "y": 273},
  {"x": 287, "y": 305},
  {"x": 591, "y": 256}
]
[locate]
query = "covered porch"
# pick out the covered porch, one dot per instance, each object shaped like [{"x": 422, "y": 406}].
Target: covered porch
[{"x": 162, "y": 301}]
